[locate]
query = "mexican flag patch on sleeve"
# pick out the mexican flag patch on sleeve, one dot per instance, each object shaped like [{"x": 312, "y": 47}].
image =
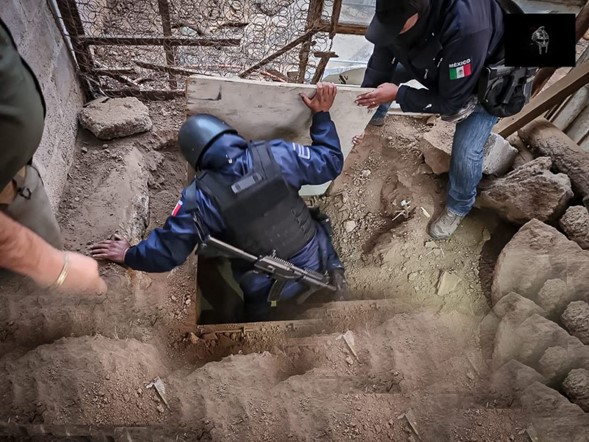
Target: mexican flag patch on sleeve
[
  {"x": 460, "y": 70},
  {"x": 177, "y": 208}
]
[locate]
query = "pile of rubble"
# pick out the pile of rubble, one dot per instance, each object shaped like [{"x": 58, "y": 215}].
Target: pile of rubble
[
  {"x": 540, "y": 179},
  {"x": 536, "y": 336}
]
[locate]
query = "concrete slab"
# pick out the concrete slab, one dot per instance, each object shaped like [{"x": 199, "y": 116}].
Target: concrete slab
[{"x": 262, "y": 110}]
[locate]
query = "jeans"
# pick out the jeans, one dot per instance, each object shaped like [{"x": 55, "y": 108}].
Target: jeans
[
  {"x": 381, "y": 111},
  {"x": 466, "y": 164}
]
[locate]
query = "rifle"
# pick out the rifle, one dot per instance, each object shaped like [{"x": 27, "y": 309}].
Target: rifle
[{"x": 279, "y": 270}]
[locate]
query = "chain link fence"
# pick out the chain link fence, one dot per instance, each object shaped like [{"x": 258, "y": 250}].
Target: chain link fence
[{"x": 149, "y": 47}]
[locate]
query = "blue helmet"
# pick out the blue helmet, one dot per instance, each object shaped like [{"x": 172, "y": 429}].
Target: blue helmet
[{"x": 198, "y": 133}]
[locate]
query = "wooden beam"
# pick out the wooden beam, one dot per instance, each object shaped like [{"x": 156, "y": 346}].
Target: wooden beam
[
  {"x": 122, "y": 40},
  {"x": 166, "y": 69},
  {"x": 321, "y": 67},
  {"x": 114, "y": 71},
  {"x": 155, "y": 94},
  {"x": 164, "y": 10},
  {"x": 581, "y": 27},
  {"x": 313, "y": 20},
  {"x": 572, "y": 82},
  {"x": 75, "y": 28},
  {"x": 275, "y": 55},
  {"x": 345, "y": 28},
  {"x": 335, "y": 15}
]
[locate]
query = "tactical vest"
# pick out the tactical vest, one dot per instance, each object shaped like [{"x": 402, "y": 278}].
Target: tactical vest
[{"x": 263, "y": 214}]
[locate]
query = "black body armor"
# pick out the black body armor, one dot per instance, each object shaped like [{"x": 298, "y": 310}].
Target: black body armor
[{"x": 263, "y": 214}]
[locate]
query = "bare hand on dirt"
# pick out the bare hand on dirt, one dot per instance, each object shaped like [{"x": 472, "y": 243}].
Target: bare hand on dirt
[
  {"x": 323, "y": 98},
  {"x": 385, "y": 93},
  {"x": 358, "y": 139},
  {"x": 111, "y": 250}
]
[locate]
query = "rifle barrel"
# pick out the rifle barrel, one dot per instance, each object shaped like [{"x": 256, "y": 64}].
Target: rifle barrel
[{"x": 230, "y": 249}]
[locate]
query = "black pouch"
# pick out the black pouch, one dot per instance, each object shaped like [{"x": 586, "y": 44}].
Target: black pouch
[{"x": 504, "y": 91}]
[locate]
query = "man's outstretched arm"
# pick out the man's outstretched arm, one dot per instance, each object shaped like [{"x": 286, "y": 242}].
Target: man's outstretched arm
[
  {"x": 164, "y": 249},
  {"x": 24, "y": 252}
]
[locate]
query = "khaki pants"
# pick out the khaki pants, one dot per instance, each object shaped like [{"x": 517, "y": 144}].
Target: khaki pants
[{"x": 25, "y": 201}]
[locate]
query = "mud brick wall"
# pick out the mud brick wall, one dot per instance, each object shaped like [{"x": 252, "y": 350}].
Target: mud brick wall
[{"x": 41, "y": 44}]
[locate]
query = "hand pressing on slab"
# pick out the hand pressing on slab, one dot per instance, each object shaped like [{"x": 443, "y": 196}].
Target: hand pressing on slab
[{"x": 323, "y": 99}]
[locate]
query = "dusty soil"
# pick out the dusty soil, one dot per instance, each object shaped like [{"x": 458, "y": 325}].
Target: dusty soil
[
  {"x": 389, "y": 253},
  {"x": 414, "y": 371}
]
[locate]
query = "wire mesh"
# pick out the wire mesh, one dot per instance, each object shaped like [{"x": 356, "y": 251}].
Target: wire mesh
[{"x": 155, "y": 44}]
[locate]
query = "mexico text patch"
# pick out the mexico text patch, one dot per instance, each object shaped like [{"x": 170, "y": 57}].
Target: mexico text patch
[{"x": 459, "y": 70}]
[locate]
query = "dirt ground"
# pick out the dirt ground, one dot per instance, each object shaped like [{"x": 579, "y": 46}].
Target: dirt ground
[{"x": 414, "y": 370}]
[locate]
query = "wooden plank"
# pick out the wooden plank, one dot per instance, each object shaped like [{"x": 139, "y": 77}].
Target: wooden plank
[
  {"x": 320, "y": 69},
  {"x": 313, "y": 20},
  {"x": 114, "y": 71},
  {"x": 167, "y": 69},
  {"x": 155, "y": 94},
  {"x": 335, "y": 15},
  {"x": 316, "y": 318},
  {"x": 344, "y": 28},
  {"x": 164, "y": 10},
  {"x": 262, "y": 110},
  {"x": 573, "y": 107},
  {"x": 75, "y": 28},
  {"x": 579, "y": 129},
  {"x": 576, "y": 79},
  {"x": 275, "y": 55},
  {"x": 123, "y": 40}
]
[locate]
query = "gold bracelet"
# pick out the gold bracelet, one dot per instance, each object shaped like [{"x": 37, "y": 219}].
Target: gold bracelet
[{"x": 64, "y": 272}]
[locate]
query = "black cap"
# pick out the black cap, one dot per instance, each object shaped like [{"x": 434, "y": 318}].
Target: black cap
[
  {"x": 198, "y": 133},
  {"x": 389, "y": 19}
]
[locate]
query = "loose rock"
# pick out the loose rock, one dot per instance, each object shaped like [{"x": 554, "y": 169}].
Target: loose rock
[
  {"x": 553, "y": 417},
  {"x": 554, "y": 297},
  {"x": 530, "y": 192},
  {"x": 538, "y": 253},
  {"x": 575, "y": 223},
  {"x": 528, "y": 341},
  {"x": 557, "y": 362},
  {"x": 544, "y": 401},
  {"x": 115, "y": 117},
  {"x": 576, "y": 320},
  {"x": 512, "y": 379},
  {"x": 576, "y": 386},
  {"x": 499, "y": 155},
  {"x": 436, "y": 147},
  {"x": 448, "y": 283},
  {"x": 193, "y": 338},
  {"x": 350, "y": 226}
]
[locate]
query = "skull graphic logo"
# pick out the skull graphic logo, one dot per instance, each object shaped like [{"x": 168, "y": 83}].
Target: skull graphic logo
[{"x": 541, "y": 38}]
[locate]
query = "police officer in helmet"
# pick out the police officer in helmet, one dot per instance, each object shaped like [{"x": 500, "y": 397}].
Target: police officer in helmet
[{"x": 246, "y": 194}]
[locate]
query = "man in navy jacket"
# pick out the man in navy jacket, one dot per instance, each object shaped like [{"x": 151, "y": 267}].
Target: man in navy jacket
[
  {"x": 260, "y": 220},
  {"x": 445, "y": 45}
]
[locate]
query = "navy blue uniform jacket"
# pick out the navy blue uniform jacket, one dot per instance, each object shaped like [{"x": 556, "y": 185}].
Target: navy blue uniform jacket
[
  {"x": 322, "y": 161},
  {"x": 445, "y": 51}
]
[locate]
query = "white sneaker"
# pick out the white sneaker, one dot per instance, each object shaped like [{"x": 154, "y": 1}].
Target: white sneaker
[{"x": 445, "y": 225}]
